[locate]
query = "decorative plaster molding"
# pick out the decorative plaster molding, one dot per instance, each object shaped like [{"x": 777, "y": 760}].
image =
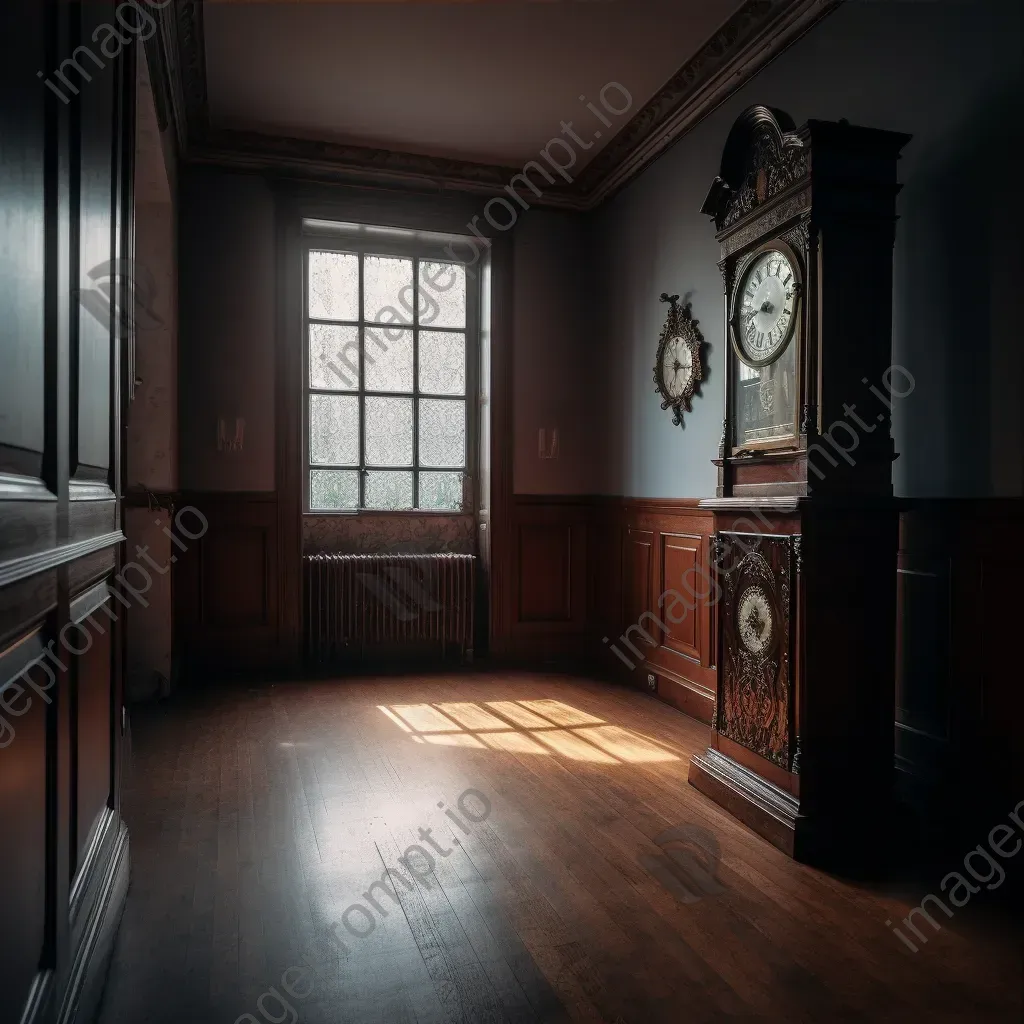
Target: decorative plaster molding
[
  {"x": 754, "y": 35},
  {"x": 759, "y": 31},
  {"x": 359, "y": 165},
  {"x": 192, "y": 50}
]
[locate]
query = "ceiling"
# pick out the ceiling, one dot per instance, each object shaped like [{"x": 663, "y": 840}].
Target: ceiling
[{"x": 488, "y": 82}]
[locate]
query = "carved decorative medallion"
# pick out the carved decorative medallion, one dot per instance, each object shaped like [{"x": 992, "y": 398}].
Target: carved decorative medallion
[
  {"x": 754, "y": 619},
  {"x": 754, "y": 686},
  {"x": 679, "y": 365}
]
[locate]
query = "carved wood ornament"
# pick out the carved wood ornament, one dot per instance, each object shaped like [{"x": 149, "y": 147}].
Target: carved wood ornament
[
  {"x": 679, "y": 365},
  {"x": 764, "y": 155},
  {"x": 754, "y": 697}
]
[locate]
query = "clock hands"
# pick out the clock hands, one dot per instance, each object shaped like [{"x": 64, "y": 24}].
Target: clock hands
[{"x": 765, "y": 307}]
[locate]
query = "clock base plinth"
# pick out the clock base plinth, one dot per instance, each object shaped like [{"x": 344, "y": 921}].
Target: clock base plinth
[
  {"x": 762, "y": 806},
  {"x": 855, "y": 839}
]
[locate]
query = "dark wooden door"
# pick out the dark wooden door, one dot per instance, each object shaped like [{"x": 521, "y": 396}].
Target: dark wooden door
[{"x": 66, "y": 148}]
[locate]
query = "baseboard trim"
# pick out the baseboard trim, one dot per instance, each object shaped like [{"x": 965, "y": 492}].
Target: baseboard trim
[
  {"x": 88, "y": 970},
  {"x": 770, "y": 811}
]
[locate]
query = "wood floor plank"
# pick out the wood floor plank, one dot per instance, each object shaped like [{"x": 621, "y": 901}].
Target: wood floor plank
[{"x": 260, "y": 815}]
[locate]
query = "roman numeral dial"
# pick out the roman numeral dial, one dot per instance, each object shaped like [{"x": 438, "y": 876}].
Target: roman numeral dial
[{"x": 764, "y": 308}]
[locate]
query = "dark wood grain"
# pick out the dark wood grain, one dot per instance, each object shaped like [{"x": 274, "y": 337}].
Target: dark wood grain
[
  {"x": 260, "y": 814},
  {"x": 65, "y": 850}
]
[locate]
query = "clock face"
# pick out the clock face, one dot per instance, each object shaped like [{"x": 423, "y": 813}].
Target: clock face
[
  {"x": 754, "y": 619},
  {"x": 676, "y": 367},
  {"x": 763, "y": 318}
]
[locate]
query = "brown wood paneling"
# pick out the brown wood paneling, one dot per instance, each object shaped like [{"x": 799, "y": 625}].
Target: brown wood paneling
[
  {"x": 626, "y": 557},
  {"x": 545, "y": 572},
  {"x": 548, "y": 592},
  {"x": 226, "y": 581},
  {"x": 235, "y": 577},
  {"x": 677, "y": 587},
  {"x": 681, "y": 565},
  {"x": 639, "y": 572}
]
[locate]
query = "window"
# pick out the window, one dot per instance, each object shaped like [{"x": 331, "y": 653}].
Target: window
[{"x": 388, "y": 374}]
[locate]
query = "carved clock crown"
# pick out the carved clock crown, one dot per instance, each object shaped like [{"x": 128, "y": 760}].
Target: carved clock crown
[{"x": 763, "y": 155}]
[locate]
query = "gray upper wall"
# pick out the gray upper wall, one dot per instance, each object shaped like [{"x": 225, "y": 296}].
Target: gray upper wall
[{"x": 949, "y": 74}]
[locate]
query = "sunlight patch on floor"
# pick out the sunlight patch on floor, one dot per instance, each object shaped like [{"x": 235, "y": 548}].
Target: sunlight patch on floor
[
  {"x": 513, "y": 742},
  {"x": 525, "y": 727},
  {"x": 625, "y": 744}
]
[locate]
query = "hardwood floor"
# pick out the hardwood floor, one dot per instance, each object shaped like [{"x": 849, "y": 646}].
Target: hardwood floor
[{"x": 259, "y": 816}]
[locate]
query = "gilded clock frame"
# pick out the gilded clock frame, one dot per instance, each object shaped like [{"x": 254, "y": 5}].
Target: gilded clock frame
[{"x": 680, "y": 324}]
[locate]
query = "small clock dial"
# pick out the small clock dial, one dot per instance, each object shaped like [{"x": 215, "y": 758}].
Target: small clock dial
[
  {"x": 676, "y": 366},
  {"x": 764, "y": 309},
  {"x": 754, "y": 619}
]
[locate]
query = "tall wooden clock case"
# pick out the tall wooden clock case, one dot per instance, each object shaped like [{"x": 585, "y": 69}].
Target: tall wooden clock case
[{"x": 805, "y": 538}]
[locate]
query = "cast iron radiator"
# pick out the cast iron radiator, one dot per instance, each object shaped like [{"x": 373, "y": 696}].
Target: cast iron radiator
[{"x": 361, "y": 604}]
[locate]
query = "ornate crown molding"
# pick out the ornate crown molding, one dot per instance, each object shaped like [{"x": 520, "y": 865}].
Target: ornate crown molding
[
  {"x": 176, "y": 55},
  {"x": 360, "y": 165},
  {"x": 759, "y": 31},
  {"x": 754, "y": 35}
]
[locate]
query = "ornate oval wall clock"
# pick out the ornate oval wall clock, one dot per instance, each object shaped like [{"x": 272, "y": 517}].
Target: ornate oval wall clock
[{"x": 679, "y": 367}]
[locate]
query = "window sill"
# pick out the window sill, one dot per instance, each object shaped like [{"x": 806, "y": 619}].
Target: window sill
[{"x": 374, "y": 513}]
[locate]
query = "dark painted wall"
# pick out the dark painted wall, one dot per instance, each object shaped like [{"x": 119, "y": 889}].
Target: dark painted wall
[
  {"x": 227, "y": 326},
  {"x": 947, "y": 72}
]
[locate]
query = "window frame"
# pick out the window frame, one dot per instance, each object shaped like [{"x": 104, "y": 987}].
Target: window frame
[{"x": 380, "y": 242}]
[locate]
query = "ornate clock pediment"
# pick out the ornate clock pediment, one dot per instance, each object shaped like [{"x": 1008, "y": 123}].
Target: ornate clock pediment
[{"x": 763, "y": 156}]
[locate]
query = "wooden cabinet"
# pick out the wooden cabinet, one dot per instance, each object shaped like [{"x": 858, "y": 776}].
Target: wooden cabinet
[{"x": 65, "y": 185}]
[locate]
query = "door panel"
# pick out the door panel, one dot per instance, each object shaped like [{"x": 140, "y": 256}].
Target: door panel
[
  {"x": 23, "y": 835},
  {"x": 65, "y": 194}
]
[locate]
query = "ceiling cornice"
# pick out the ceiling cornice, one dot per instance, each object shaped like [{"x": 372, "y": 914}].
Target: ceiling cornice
[
  {"x": 361, "y": 165},
  {"x": 756, "y": 33},
  {"x": 759, "y": 31}
]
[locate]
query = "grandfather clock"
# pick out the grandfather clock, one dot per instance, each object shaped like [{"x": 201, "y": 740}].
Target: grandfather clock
[{"x": 805, "y": 538}]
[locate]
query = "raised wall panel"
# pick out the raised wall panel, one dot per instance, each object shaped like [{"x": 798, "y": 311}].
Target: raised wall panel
[
  {"x": 545, "y": 573},
  {"x": 97, "y": 307},
  {"x": 546, "y": 599},
  {"x": 225, "y": 580},
  {"x": 93, "y": 720},
  {"x": 22, "y": 239},
  {"x": 664, "y": 576},
  {"x": 23, "y": 839},
  {"x": 639, "y": 572},
  {"x": 681, "y": 565}
]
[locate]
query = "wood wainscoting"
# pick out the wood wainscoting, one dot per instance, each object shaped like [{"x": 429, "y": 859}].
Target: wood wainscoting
[
  {"x": 959, "y": 700},
  {"x": 228, "y": 584},
  {"x": 589, "y": 574},
  {"x": 618, "y": 585}
]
